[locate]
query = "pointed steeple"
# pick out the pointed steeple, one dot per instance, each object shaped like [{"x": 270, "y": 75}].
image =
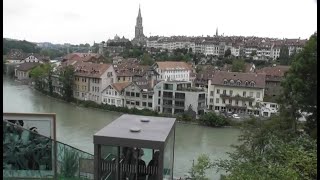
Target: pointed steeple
[
  {"x": 217, "y": 31},
  {"x": 139, "y": 14}
]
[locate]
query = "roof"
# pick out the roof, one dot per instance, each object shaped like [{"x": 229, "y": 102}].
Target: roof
[
  {"x": 152, "y": 134},
  {"x": 120, "y": 86},
  {"x": 274, "y": 71},
  {"x": 27, "y": 66},
  {"x": 87, "y": 69},
  {"x": 170, "y": 65},
  {"x": 220, "y": 77}
]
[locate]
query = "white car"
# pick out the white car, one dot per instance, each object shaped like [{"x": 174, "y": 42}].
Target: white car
[{"x": 235, "y": 116}]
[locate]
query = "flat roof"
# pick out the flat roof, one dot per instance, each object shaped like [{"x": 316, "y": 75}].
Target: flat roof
[{"x": 118, "y": 132}]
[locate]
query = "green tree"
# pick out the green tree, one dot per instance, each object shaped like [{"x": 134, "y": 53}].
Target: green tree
[
  {"x": 198, "y": 170},
  {"x": 284, "y": 56},
  {"x": 227, "y": 53},
  {"x": 66, "y": 77},
  {"x": 271, "y": 150},
  {"x": 213, "y": 119},
  {"x": 146, "y": 59},
  {"x": 42, "y": 75},
  {"x": 238, "y": 65},
  {"x": 300, "y": 87}
]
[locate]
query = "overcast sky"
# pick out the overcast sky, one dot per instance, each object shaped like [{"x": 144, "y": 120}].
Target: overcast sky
[{"x": 86, "y": 21}]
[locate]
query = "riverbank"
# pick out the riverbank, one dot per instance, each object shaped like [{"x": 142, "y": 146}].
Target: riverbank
[{"x": 182, "y": 118}]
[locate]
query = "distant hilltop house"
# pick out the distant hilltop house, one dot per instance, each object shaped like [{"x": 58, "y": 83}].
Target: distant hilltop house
[{"x": 17, "y": 56}]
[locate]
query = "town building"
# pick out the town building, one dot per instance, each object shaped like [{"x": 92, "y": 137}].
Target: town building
[
  {"x": 22, "y": 71},
  {"x": 236, "y": 92},
  {"x": 173, "y": 70},
  {"x": 91, "y": 79},
  {"x": 113, "y": 94},
  {"x": 274, "y": 76},
  {"x": 176, "y": 97},
  {"x": 267, "y": 109}
]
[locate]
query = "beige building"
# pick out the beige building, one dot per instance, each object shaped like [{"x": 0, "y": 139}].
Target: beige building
[
  {"x": 173, "y": 70},
  {"x": 22, "y": 71},
  {"x": 236, "y": 92},
  {"x": 113, "y": 94}
]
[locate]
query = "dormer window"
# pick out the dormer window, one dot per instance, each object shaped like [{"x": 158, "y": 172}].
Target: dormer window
[
  {"x": 238, "y": 82},
  {"x": 252, "y": 83},
  {"x": 231, "y": 82},
  {"x": 247, "y": 83},
  {"x": 225, "y": 81}
]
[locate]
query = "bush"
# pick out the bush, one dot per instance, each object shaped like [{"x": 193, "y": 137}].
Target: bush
[
  {"x": 184, "y": 117},
  {"x": 213, "y": 119}
]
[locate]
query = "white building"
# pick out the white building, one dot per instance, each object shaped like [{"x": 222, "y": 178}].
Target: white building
[
  {"x": 268, "y": 108},
  {"x": 176, "y": 97},
  {"x": 236, "y": 92},
  {"x": 113, "y": 94},
  {"x": 173, "y": 71}
]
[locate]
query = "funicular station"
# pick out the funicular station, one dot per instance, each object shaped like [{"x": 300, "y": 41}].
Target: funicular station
[{"x": 135, "y": 148}]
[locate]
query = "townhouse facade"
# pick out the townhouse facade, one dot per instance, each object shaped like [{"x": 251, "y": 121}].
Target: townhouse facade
[
  {"x": 113, "y": 94},
  {"x": 236, "y": 92},
  {"x": 173, "y": 71},
  {"x": 176, "y": 97},
  {"x": 91, "y": 79},
  {"x": 138, "y": 95}
]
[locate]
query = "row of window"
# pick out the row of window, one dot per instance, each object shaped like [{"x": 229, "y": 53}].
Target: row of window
[
  {"x": 229, "y": 101},
  {"x": 95, "y": 89},
  {"x": 244, "y": 93},
  {"x": 137, "y": 103},
  {"x": 124, "y": 78}
]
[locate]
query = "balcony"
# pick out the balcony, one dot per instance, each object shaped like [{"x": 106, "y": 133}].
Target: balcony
[
  {"x": 167, "y": 97},
  {"x": 237, "y": 97},
  {"x": 236, "y": 106}
]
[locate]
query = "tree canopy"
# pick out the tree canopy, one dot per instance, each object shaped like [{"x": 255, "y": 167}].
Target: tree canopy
[
  {"x": 25, "y": 46},
  {"x": 238, "y": 65},
  {"x": 284, "y": 56}
]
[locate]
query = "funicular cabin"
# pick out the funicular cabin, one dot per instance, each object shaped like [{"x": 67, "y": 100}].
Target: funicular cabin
[{"x": 136, "y": 148}]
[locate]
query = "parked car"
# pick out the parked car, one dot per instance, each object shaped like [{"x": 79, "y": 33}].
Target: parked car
[{"x": 235, "y": 116}]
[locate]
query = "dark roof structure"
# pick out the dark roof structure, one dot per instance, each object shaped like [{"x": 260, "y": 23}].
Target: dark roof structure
[
  {"x": 152, "y": 134},
  {"x": 27, "y": 66},
  {"x": 252, "y": 80}
]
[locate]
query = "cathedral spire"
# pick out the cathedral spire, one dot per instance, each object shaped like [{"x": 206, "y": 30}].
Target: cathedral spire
[
  {"x": 139, "y": 14},
  {"x": 217, "y": 31}
]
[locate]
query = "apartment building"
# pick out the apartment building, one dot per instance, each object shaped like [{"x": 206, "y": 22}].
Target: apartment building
[
  {"x": 173, "y": 70},
  {"x": 176, "y": 97},
  {"x": 236, "y": 92},
  {"x": 268, "y": 109},
  {"x": 91, "y": 79}
]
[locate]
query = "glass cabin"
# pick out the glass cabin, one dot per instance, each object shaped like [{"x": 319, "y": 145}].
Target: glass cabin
[{"x": 136, "y": 148}]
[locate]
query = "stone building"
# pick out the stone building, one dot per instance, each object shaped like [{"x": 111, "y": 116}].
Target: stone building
[{"x": 139, "y": 38}]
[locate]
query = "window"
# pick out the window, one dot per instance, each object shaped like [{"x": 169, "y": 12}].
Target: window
[
  {"x": 108, "y": 100},
  {"x": 223, "y": 101},
  {"x": 217, "y": 100},
  {"x": 250, "y": 104},
  {"x": 251, "y": 94},
  {"x": 211, "y": 100},
  {"x": 132, "y": 94},
  {"x": 225, "y": 81},
  {"x": 244, "y": 94},
  {"x": 137, "y": 103},
  {"x": 247, "y": 83},
  {"x": 112, "y": 101},
  {"x": 159, "y": 94},
  {"x": 231, "y": 92},
  {"x": 144, "y": 96},
  {"x": 150, "y": 97},
  {"x": 137, "y": 94},
  {"x": 123, "y": 79},
  {"x": 158, "y": 101},
  {"x": 238, "y": 83},
  {"x": 258, "y": 95},
  {"x": 224, "y": 92},
  {"x": 217, "y": 108},
  {"x": 115, "y": 93},
  {"x": 127, "y": 93},
  {"x": 149, "y": 104},
  {"x": 218, "y": 91},
  {"x": 252, "y": 84},
  {"x": 144, "y": 104},
  {"x": 211, "y": 93},
  {"x": 118, "y": 79},
  {"x": 237, "y": 102}
]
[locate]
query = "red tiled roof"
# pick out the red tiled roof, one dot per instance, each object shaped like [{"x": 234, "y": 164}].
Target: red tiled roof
[
  {"x": 220, "y": 77},
  {"x": 278, "y": 71}
]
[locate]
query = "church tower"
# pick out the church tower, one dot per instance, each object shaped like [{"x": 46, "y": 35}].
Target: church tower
[{"x": 139, "y": 27}]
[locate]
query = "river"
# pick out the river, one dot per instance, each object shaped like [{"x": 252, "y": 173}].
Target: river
[{"x": 76, "y": 127}]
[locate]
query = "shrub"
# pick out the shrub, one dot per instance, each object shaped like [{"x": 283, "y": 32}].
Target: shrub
[{"x": 213, "y": 119}]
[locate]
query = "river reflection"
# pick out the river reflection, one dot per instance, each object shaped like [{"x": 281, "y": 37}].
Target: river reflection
[{"x": 76, "y": 126}]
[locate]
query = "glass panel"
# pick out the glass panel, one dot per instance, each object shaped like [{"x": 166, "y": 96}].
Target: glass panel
[
  {"x": 109, "y": 160},
  {"x": 27, "y": 154},
  {"x": 138, "y": 163},
  {"x": 168, "y": 158}
]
